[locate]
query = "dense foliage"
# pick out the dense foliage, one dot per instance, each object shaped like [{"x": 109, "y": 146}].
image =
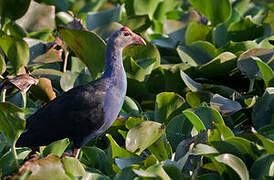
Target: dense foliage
[{"x": 200, "y": 97}]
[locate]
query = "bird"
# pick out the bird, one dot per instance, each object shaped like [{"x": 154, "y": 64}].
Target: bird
[{"x": 88, "y": 110}]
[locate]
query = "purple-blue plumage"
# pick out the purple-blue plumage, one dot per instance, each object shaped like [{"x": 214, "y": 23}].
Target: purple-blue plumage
[{"x": 88, "y": 110}]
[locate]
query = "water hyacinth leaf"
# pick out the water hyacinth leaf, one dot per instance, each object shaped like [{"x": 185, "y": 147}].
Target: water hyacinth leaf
[
  {"x": 15, "y": 30},
  {"x": 141, "y": 53},
  {"x": 106, "y": 30},
  {"x": 196, "y": 32},
  {"x": 266, "y": 71},
  {"x": 220, "y": 66},
  {"x": 247, "y": 65},
  {"x": 2, "y": 64},
  {"x": 51, "y": 56},
  {"x": 263, "y": 166},
  {"x": 244, "y": 30},
  {"x": 164, "y": 7},
  {"x": 43, "y": 90},
  {"x": 267, "y": 131},
  {"x": 161, "y": 149},
  {"x": 198, "y": 53},
  {"x": 263, "y": 110},
  {"x": 191, "y": 84},
  {"x": 132, "y": 122},
  {"x": 137, "y": 23},
  {"x": 153, "y": 171},
  {"x": 166, "y": 106},
  {"x": 80, "y": 41},
  {"x": 68, "y": 79},
  {"x": 141, "y": 7},
  {"x": 267, "y": 143},
  {"x": 118, "y": 151},
  {"x": 125, "y": 173},
  {"x": 16, "y": 50},
  {"x": 73, "y": 166},
  {"x": 38, "y": 17},
  {"x": 94, "y": 20},
  {"x": 195, "y": 99},
  {"x": 224, "y": 105},
  {"x": 203, "y": 149},
  {"x": 19, "y": 8},
  {"x": 266, "y": 43},
  {"x": 12, "y": 121},
  {"x": 235, "y": 163},
  {"x": 143, "y": 135},
  {"x": 94, "y": 157},
  {"x": 224, "y": 131},
  {"x": 126, "y": 162},
  {"x": 178, "y": 129},
  {"x": 94, "y": 176},
  {"x": 57, "y": 148},
  {"x": 195, "y": 120},
  {"x": 130, "y": 108},
  {"x": 238, "y": 48},
  {"x": 209, "y": 10},
  {"x": 50, "y": 166}
]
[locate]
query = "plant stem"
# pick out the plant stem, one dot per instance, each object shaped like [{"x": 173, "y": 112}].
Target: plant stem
[
  {"x": 65, "y": 61},
  {"x": 15, "y": 155},
  {"x": 251, "y": 85},
  {"x": 3, "y": 94}
]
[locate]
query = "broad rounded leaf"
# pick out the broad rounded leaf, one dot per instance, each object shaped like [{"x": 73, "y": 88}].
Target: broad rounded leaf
[
  {"x": 12, "y": 121},
  {"x": 102, "y": 18},
  {"x": 143, "y": 135},
  {"x": 88, "y": 46},
  {"x": 57, "y": 148},
  {"x": 196, "y": 32},
  {"x": 16, "y": 50},
  {"x": 19, "y": 8},
  {"x": 209, "y": 9},
  {"x": 195, "y": 120},
  {"x": 73, "y": 166},
  {"x": 38, "y": 17},
  {"x": 43, "y": 90},
  {"x": 166, "y": 105},
  {"x": 235, "y": 163},
  {"x": 224, "y": 105},
  {"x": 263, "y": 166},
  {"x": 266, "y": 71}
]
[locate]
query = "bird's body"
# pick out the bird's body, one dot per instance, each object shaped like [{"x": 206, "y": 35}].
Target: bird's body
[{"x": 84, "y": 111}]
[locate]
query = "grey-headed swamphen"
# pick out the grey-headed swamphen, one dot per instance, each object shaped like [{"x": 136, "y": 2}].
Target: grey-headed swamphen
[{"x": 88, "y": 110}]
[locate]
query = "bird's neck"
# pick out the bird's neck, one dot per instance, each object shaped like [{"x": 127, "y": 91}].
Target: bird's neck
[{"x": 114, "y": 61}]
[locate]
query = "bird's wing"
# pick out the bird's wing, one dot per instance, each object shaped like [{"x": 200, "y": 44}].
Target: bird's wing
[{"x": 76, "y": 113}]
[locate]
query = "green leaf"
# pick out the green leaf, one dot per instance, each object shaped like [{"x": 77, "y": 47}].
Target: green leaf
[
  {"x": 220, "y": 66},
  {"x": 80, "y": 42},
  {"x": 19, "y": 8},
  {"x": 238, "y": 48},
  {"x": 235, "y": 163},
  {"x": 263, "y": 111},
  {"x": 209, "y": 9},
  {"x": 191, "y": 84},
  {"x": 141, "y": 7},
  {"x": 262, "y": 167},
  {"x": 2, "y": 64},
  {"x": 161, "y": 149},
  {"x": 15, "y": 30},
  {"x": 143, "y": 135},
  {"x": 137, "y": 23},
  {"x": 203, "y": 149},
  {"x": 12, "y": 122},
  {"x": 267, "y": 143},
  {"x": 57, "y": 148},
  {"x": 132, "y": 122},
  {"x": 247, "y": 65},
  {"x": 198, "y": 53},
  {"x": 266, "y": 71},
  {"x": 164, "y": 7},
  {"x": 126, "y": 173},
  {"x": 16, "y": 50},
  {"x": 195, "y": 120},
  {"x": 126, "y": 162},
  {"x": 178, "y": 129},
  {"x": 95, "y": 158},
  {"x": 45, "y": 167},
  {"x": 244, "y": 30},
  {"x": 95, "y": 176},
  {"x": 130, "y": 108},
  {"x": 118, "y": 151},
  {"x": 153, "y": 171},
  {"x": 102, "y": 18},
  {"x": 197, "y": 32},
  {"x": 73, "y": 166},
  {"x": 167, "y": 105},
  {"x": 38, "y": 18},
  {"x": 224, "y": 105}
]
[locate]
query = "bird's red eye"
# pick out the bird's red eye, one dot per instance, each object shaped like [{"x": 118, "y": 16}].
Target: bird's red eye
[{"x": 126, "y": 34}]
